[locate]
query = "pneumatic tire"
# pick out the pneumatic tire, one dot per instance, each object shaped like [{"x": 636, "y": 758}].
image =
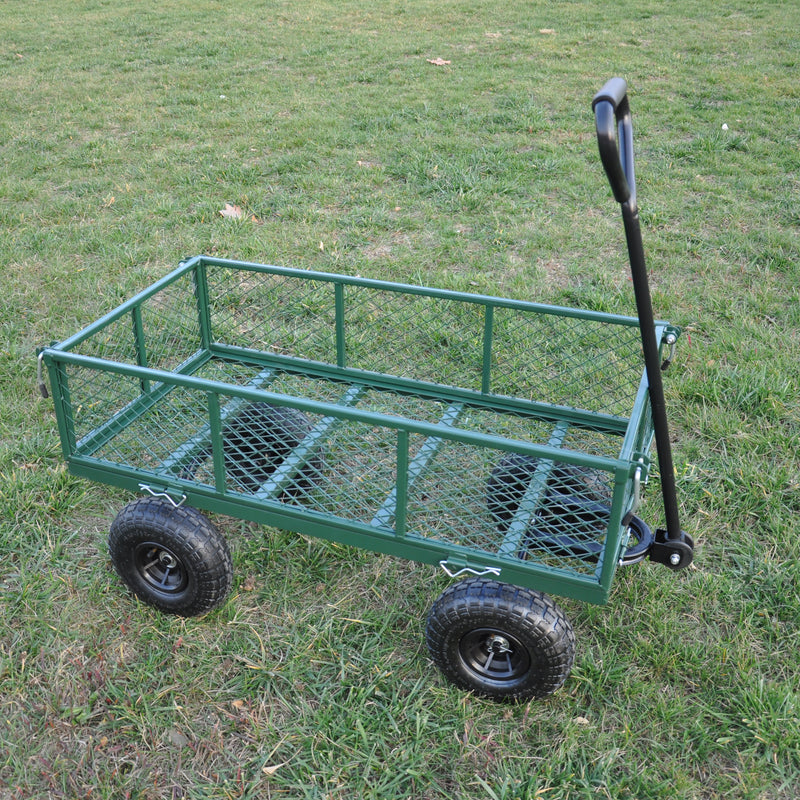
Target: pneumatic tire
[
  {"x": 500, "y": 641},
  {"x": 171, "y": 558}
]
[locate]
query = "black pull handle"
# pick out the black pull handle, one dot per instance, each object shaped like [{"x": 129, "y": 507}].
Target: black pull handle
[{"x": 615, "y": 138}]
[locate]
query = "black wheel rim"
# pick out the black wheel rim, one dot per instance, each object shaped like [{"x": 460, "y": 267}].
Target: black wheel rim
[
  {"x": 494, "y": 655},
  {"x": 160, "y": 569}
]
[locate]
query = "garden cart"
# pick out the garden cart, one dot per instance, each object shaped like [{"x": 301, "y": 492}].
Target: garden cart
[{"x": 506, "y": 441}]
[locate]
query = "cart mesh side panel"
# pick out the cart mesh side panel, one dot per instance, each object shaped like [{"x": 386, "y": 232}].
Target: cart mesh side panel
[
  {"x": 543, "y": 357},
  {"x": 170, "y": 324},
  {"x": 154, "y": 433},
  {"x": 160, "y": 333},
  {"x": 277, "y": 314},
  {"x": 97, "y": 400},
  {"x": 526, "y": 509},
  {"x": 566, "y": 361},
  {"x": 408, "y": 336},
  {"x": 115, "y": 342}
]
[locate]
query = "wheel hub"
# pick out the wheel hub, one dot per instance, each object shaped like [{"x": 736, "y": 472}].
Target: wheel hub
[
  {"x": 494, "y": 655},
  {"x": 160, "y": 568},
  {"x": 498, "y": 644},
  {"x": 167, "y": 560}
]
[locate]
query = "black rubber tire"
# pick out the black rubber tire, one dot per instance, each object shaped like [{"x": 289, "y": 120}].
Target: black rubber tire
[
  {"x": 171, "y": 558},
  {"x": 500, "y": 641}
]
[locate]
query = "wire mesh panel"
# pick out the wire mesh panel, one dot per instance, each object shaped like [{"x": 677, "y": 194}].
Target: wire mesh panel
[
  {"x": 281, "y": 314},
  {"x": 513, "y": 506},
  {"x": 115, "y": 342},
  {"x": 565, "y": 360},
  {"x": 160, "y": 332},
  {"x": 170, "y": 325},
  {"x": 359, "y": 472},
  {"x": 417, "y": 337},
  {"x": 96, "y": 398},
  {"x": 156, "y": 431}
]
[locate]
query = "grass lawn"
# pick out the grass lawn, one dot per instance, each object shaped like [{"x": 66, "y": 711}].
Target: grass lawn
[{"x": 126, "y": 127}]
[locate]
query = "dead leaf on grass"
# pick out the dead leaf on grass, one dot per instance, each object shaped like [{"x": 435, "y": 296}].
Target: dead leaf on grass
[
  {"x": 231, "y": 211},
  {"x": 547, "y": 31},
  {"x": 437, "y": 62}
]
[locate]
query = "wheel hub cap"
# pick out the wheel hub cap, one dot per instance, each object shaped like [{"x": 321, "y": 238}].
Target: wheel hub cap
[
  {"x": 494, "y": 655},
  {"x": 167, "y": 560},
  {"x": 498, "y": 644},
  {"x": 160, "y": 569}
]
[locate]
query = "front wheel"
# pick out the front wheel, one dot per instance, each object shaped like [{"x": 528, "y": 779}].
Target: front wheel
[
  {"x": 172, "y": 558},
  {"x": 500, "y": 641}
]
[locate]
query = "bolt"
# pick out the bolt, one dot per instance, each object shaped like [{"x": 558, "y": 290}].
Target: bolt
[{"x": 675, "y": 559}]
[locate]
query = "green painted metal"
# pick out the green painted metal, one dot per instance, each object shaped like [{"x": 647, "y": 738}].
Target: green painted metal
[
  {"x": 488, "y": 328},
  {"x": 399, "y": 288},
  {"x": 172, "y": 380},
  {"x": 122, "y": 418},
  {"x": 412, "y": 395},
  {"x": 395, "y": 503},
  {"x": 215, "y": 429},
  {"x": 189, "y": 448},
  {"x": 282, "y": 476},
  {"x": 532, "y": 498},
  {"x": 139, "y": 343},
  {"x": 451, "y": 394},
  {"x": 59, "y": 389},
  {"x": 341, "y": 359},
  {"x": 200, "y": 285}
]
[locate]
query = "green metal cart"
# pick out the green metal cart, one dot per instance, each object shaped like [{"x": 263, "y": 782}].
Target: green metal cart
[{"x": 503, "y": 440}]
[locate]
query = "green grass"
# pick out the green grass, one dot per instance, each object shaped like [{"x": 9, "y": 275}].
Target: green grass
[{"x": 126, "y": 127}]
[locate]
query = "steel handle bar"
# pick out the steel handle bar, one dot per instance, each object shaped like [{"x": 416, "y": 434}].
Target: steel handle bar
[{"x": 672, "y": 546}]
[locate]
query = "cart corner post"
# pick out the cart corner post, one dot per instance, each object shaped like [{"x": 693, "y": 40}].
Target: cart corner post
[
  {"x": 200, "y": 285},
  {"x": 59, "y": 389},
  {"x": 488, "y": 332},
  {"x": 341, "y": 338}
]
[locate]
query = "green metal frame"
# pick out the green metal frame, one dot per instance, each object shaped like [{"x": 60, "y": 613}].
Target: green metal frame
[{"x": 389, "y": 530}]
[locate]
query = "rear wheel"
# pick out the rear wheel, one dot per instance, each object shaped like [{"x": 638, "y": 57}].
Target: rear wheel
[
  {"x": 172, "y": 558},
  {"x": 500, "y": 641}
]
